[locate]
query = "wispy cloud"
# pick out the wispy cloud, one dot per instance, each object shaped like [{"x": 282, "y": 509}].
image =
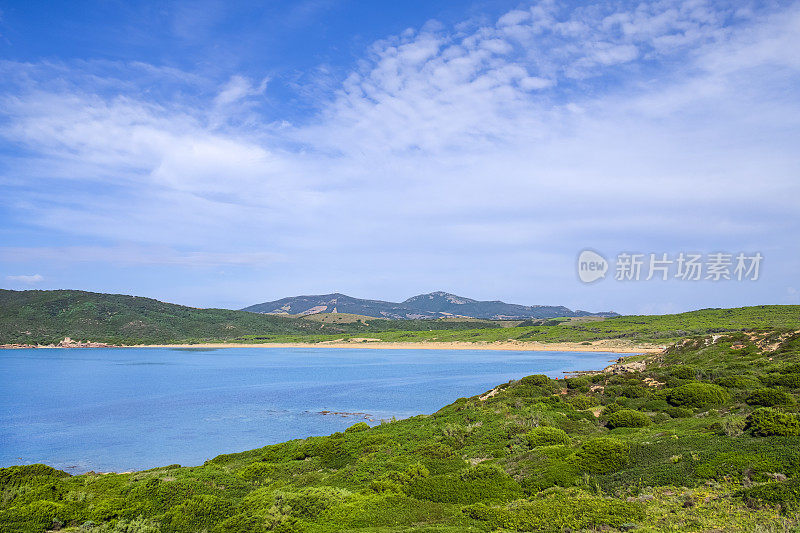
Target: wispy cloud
[
  {"x": 26, "y": 279},
  {"x": 673, "y": 121}
]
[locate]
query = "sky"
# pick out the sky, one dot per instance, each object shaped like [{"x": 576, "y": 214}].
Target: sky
[{"x": 222, "y": 154}]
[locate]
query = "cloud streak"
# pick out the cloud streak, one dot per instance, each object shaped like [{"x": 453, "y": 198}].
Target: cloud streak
[{"x": 26, "y": 279}]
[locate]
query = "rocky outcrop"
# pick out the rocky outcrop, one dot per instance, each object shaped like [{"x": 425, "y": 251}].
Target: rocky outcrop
[{"x": 69, "y": 343}]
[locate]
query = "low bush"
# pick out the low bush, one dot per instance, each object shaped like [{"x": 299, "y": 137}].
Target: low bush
[
  {"x": 768, "y": 398},
  {"x": 15, "y": 475},
  {"x": 738, "y": 382},
  {"x": 791, "y": 381},
  {"x": 482, "y": 483},
  {"x": 697, "y": 395},
  {"x": 655, "y": 405},
  {"x": 201, "y": 512},
  {"x": 628, "y": 418},
  {"x": 360, "y": 426},
  {"x": 785, "y": 494},
  {"x": 602, "y": 455},
  {"x": 582, "y": 402},
  {"x": 683, "y": 371},
  {"x": 536, "y": 379},
  {"x": 580, "y": 384},
  {"x": 610, "y": 409},
  {"x": 547, "y": 436},
  {"x": 766, "y": 422},
  {"x": 679, "y": 412},
  {"x": 558, "y": 512}
]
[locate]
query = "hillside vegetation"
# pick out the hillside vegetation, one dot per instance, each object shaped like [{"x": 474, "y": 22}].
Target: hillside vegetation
[
  {"x": 645, "y": 328},
  {"x": 44, "y": 317},
  {"x": 424, "y": 306},
  {"x": 704, "y": 437}
]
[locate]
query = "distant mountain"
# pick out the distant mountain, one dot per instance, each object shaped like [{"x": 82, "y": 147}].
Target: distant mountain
[
  {"x": 432, "y": 305},
  {"x": 47, "y": 317}
]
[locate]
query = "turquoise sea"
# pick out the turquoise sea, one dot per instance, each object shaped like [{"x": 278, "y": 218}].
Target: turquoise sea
[{"x": 120, "y": 409}]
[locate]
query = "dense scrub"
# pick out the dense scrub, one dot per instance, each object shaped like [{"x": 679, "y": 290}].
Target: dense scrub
[{"x": 705, "y": 438}]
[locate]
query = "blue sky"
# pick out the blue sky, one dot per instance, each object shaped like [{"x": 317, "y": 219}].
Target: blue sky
[{"x": 217, "y": 153}]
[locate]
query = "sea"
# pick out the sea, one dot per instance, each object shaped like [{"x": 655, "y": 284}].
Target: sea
[{"x": 124, "y": 409}]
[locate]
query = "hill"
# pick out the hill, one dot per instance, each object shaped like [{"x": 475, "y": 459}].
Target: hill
[
  {"x": 431, "y": 305},
  {"x": 42, "y": 317},
  {"x": 45, "y": 317}
]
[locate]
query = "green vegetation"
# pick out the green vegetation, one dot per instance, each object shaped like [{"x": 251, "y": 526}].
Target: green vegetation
[
  {"x": 684, "y": 444},
  {"x": 45, "y": 317},
  {"x": 628, "y": 418},
  {"x": 697, "y": 395}
]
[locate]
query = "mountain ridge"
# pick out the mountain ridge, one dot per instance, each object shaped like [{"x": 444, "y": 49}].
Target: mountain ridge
[{"x": 437, "y": 304}]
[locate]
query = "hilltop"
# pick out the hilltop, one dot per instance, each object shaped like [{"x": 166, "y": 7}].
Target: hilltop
[
  {"x": 47, "y": 317},
  {"x": 424, "y": 306}
]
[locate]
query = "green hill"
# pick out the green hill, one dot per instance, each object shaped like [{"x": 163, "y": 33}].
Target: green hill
[
  {"x": 49, "y": 316},
  {"x": 44, "y": 317}
]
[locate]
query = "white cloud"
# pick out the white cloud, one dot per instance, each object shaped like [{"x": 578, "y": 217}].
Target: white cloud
[
  {"x": 613, "y": 124},
  {"x": 26, "y": 279},
  {"x": 239, "y": 87}
]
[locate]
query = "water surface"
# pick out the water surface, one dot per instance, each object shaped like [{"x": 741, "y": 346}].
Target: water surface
[{"x": 119, "y": 409}]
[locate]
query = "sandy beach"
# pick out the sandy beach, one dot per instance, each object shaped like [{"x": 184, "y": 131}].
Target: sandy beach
[{"x": 614, "y": 346}]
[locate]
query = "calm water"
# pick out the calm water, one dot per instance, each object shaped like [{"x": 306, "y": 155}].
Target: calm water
[{"x": 128, "y": 409}]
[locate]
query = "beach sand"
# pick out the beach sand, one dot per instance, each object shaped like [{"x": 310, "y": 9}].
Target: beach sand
[{"x": 614, "y": 346}]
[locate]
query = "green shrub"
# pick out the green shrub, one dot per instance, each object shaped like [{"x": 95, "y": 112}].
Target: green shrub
[
  {"x": 196, "y": 514},
  {"x": 582, "y": 402},
  {"x": 536, "y": 379},
  {"x": 683, "y": 371},
  {"x": 628, "y": 418},
  {"x": 627, "y": 391},
  {"x": 257, "y": 471},
  {"x": 738, "y": 382},
  {"x": 768, "y": 398},
  {"x": 793, "y": 368},
  {"x": 731, "y": 427},
  {"x": 766, "y": 422},
  {"x": 549, "y": 468},
  {"x": 679, "y": 412},
  {"x": 697, "y": 395},
  {"x": 547, "y": 436},
  {"x": 610, "y": 409},
  {"x": 736, "y": 464},
  {"x": 786, "y": 494},
  {"x": 558, "y": 512},
  {"x": 791, "y": 381},
  {"x": 360, "y": 426},
  {"x": 655, "y": 405},
  {"x": 602, "y": 455},
  {"x": 581, "y": 384},
  {"x": 482, "y": 483}
]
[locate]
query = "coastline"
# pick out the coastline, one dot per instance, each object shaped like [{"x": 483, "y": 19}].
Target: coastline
[{"x": 612, "y": 346}]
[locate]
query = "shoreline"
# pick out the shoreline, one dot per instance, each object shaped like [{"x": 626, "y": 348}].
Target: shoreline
[
  {"x": 603, "y": 345},
  {"x": 610, "y": 346}
]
